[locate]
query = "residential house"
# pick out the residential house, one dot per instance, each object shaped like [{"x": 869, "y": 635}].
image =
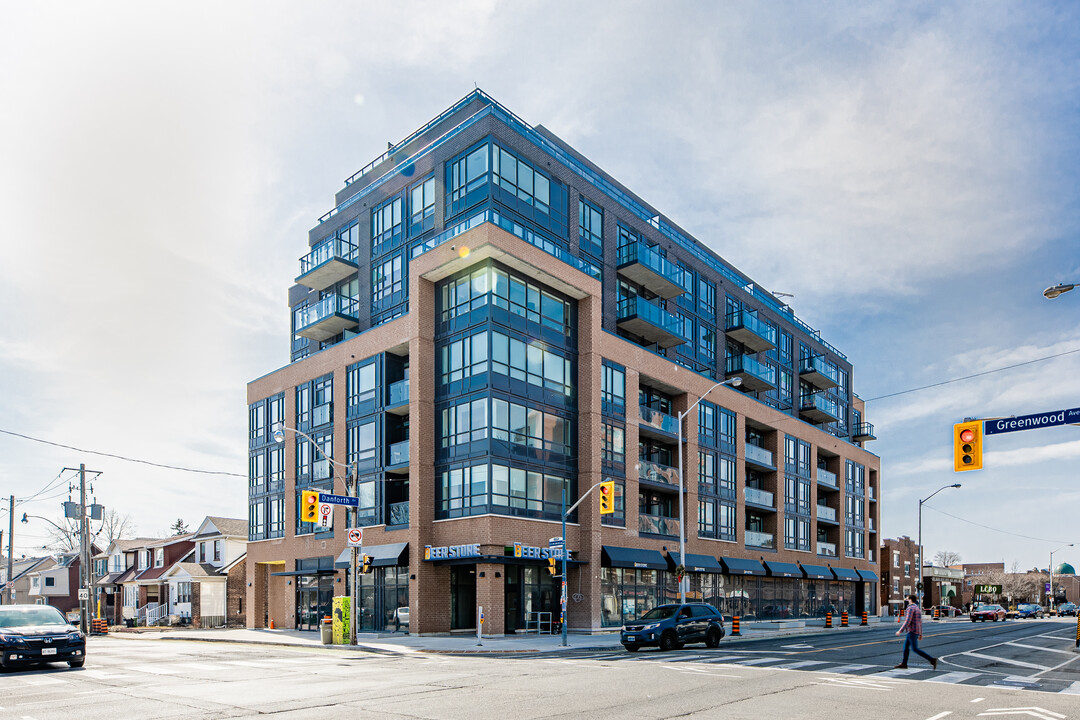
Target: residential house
[
  {"x": 145, "y": 591},
  {"x": 899, "y": 559},
  {"x": 207, "y": 587},
  {"x": 22, "y": 572},
  {"x": 58, "y": 584},
  {"x": 112, "y": 568}
]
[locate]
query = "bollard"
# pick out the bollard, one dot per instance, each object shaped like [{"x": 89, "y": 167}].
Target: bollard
[
  {"x": 1078, "y": 630},
  {"x": 865, "y": 618},
  {"x": 843, "y": 619},
  {"x": 735, "y": 626},
  {"x": 828, "y": 620},
  {"x": 937, "y": 612}
]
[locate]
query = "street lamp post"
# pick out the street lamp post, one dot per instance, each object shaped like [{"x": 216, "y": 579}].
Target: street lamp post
[
  {"x": 733, "y": 382},
  {"x": 1057, "y": 290},
  {"x": 1050, "y": 593},
  {"x": 919, "y": 580},
  {"x": 279, "y": 436}
]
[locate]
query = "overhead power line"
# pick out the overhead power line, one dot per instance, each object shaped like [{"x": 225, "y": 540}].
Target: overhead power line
[
  {"x": 968, "y": 377},
  {"x": 990, "y": 527},
  {"x": 122, "y": 457}
]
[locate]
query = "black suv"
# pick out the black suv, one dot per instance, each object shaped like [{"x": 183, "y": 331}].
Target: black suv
[
  {"x": 32, "y": 634},
  {"x": 672, "y": 626}
]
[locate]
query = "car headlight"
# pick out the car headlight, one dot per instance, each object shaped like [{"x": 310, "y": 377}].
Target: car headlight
[
  {"x": 75, "y": 636},
  {"x": 651, "y": 626},
  {"x": 11, "y": 639}
]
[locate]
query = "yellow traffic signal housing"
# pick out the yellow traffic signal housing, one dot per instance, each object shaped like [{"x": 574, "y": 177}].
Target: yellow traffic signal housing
[
  {"x": 552, "y": 569},
  {"x": 607, "y": 497},
  {"x": 967, "y": 446},
  {"x": 309, "y": 506},
  {"x": 366, "y": 567}
]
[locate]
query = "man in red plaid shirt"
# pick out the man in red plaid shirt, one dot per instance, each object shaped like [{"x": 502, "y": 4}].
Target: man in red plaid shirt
[{"x": 913, "y": 627}]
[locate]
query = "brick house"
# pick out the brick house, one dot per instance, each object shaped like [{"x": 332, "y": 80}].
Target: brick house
[
  {"x": 202, "y": 583},
  {"x": 145, "y": 591},
  {"x": 899, "y": 572}
]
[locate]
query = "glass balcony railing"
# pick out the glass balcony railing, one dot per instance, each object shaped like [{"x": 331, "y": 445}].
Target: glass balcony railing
[
  {"x": 658, "y": 525},
  {"x": 657, "y": 473},
  {"x": 759, "y": 455},
  {"x": 863, "y": 431},
  {"x": 819, "y": 408},
  {"x": 824, "y": 512},
  {"x": 759, "y": 539},
  {"x": 826, "y": 478},
  {"x": 751, "y": 331},
  {"x": 826, "y": 548},
  {"x": 641, "y": 317},
  {"x": 398, "y": 513},
  {"x": 399, "y": 392},
  {"x": 658, "y": 420},
  {"x": 326, "y": 251},
  {"x": 399, "y": 453},
  {"x": 870, "y": 494},
  {"x": 326, "y": 318},
  {"x": 758, "y": 497},
  {"x": 755, "y": 375},
  {"x": 819, "y": 372},
  {"x": 650, "y": 269}
]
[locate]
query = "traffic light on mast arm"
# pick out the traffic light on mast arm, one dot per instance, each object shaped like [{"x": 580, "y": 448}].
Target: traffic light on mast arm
[
  {"x": 607, "y": 497},
  {"x": 967, "y": 446},
  {"x": 309, "y": 506}
]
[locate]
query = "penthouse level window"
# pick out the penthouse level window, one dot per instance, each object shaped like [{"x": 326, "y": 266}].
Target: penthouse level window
[
  {"x": 520, "y": 297},
  {"x": 386, "y": 227},
  {"x": 422, "y": 207},
  {"x": 518, "y": 177},
  {"x": 591, "y": 228},
  {"x": 465, "y": 177}
]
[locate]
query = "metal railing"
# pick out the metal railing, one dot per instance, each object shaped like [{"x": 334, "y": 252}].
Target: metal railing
[
  {"x": 743, "y": 318},
  {"x": 638, "y": 306},
  {"x": 822, "y": 366},
  {"x": 328, "y": 249},
  {"x": 748, "y": 364},
  {"x": 539, "y": 622},
  {"x": 329, "y": 305},
  {"x": 641, "y": 253}
]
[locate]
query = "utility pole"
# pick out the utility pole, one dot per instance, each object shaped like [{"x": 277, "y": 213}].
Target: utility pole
[
  {"x": 10, "y": 550},
  {"x": 86, "y": 573},
  {"x": 354, "y": 611}
]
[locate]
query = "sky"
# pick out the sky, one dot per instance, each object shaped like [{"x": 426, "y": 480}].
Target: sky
[{"x": 907, "y": 171}]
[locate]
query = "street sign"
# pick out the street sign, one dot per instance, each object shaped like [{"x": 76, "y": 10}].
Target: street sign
[
  {"x": 326, "y": 515},
  {"x": 555, "y": 542},
  {"x": 339, "y": 500},
  {"x": 355, "y": 537},
  {"x": 84, "y": 594},
  {"x": 1031, "y": 422}
]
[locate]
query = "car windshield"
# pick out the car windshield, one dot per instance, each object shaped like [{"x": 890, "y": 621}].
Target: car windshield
[
  {"x": 1028, "y": 606},
  {"x": 662, "y": 612},
  {"x": 19, "y": 617}
]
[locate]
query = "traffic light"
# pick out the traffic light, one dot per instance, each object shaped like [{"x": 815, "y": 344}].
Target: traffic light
[
  {"x": 309, "y": 506},
  {"x": 967, "y": 446},
  {"x": 366, "y": 567},
  {"x": 552, "y": 569},
  {"x": 607, "y": 497}
]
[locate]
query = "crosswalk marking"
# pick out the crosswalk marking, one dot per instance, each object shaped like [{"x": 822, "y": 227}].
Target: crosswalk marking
[
  {"x": 844, "y": 669},
  {"x": 42, "y": 680},
  {"x": 1039, "y": 647},
  {"x": 761, "y": 661},
  {"x": 1008, "y": 661},
  {"x": 800, "y": 664},
  {"x": 1073, "y": 689},
  {"x": 953, "y": 678}
]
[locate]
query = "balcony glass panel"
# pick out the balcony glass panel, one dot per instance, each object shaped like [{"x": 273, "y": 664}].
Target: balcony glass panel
[
  {"x": 327, "y": 307},
  {"x": 399, "y": 392},
  {"x": 659, "y": 420},
  {"x": 820, "y": 403},
  {"x": 398, "y": 514},
  {"x": 657, "y": 473},
  {"x": 667, "y": 329},
  {"x": 864, "y": 430},
  {"x": 821, "y": 366},
  {"x": 742, "y": 318},
  {"x": 758, "y": 497},
  {"x": 748, "y": 365},
  {"x": 399, "y": 453},
  {"x": 330, "y": 249},
  {"x": 658, "y": 525},
  {"x": 825, "y": 512},
  {"x": 824, "y": 548},
  {"x": 759, "y": 539},
  {"x": 826, "y": 478},
  {"x": 759, "y": 455},
  {"x": 644, "y": 265}
]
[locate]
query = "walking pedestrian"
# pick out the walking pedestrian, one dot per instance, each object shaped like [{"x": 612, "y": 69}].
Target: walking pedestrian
[{"x": 912, "y": 625}]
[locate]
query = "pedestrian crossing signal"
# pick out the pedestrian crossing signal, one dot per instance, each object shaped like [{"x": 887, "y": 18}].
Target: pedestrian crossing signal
[
  {"x": 967, "y": 446},
  {"x": 552, "y": 569},
  {"x": 309, "y": 506},
  {"x": 365, "y": 567},
  {"x": 607, "y": 497}
]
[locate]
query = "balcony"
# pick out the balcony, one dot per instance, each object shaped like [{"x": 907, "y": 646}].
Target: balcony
[
  {"x": 640, "y": 317},
  {"x": 819, "y": 372},
  {"x": 827, "y": 549},
  {"x": 398, "y": 402},
  {"x": 326, "y": 318},
  {"x": 818, "y": 409},
  {"x": 759, "y": 539},
  {"x": 824, "y": 512},
  {"x": 321, "y": 415},
  {"x": 658, "y": 525},
  {"x": 759, "y": 498},
  {"x": 755, "y": 376},
  {"x": 328, "y": 262},
  {"x": 399, "y": 455},
  {"x": 759, "y": 456},
  {"x": 863, "y": 432},
  {"x": 648, "y": 268},
  {"x": 657, "y": 423},
  {"x": 870, "y": 494},
  {"x": 657, "y": 473},
  {"x": 870, "y": 525},
  {"x": 754, "y": 334},
  {"x": 398, "y": 513},
  {"x": 827, "y": 479}
]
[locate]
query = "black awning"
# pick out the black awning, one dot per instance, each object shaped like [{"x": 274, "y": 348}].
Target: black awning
[
  {"x": 817, "y": 572},
  {"x": 868, "y": 575},
  {"x": 742, "y": 566},
  {"x": 310, "y": 573},
  {"x": 846, "y": 574},
  {"x": 696, "y": 563},
  {"x": 391, "y": 555},
  {"x": 782, "y": 569},
  {"x": 612, "y": 556}
]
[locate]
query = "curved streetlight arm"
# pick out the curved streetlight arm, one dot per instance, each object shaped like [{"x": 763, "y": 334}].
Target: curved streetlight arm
[
  {"x": 919, "y": 578},
  {"x": 66, "y": 531},
  {"x": 1060, "y": 289},
  {"x": 279, "y": 436},
  {"x": 1050, "y": 595}
]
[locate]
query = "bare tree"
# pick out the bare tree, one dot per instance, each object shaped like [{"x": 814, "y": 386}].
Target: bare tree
[
  {"x": 947, "y": 558},
  {"x": 64, "y": 535},
  {"x": 114, "y": 526}
]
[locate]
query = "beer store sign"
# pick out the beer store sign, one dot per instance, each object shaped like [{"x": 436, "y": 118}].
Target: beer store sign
[
  {"x": 451, "y": 552},
  {"x": 538, "y": 553}
]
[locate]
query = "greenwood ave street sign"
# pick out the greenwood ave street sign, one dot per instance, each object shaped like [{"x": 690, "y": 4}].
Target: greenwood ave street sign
[{"x": 1031, "y": 422}]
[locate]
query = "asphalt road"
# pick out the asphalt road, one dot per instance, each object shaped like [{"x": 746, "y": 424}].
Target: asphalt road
[{"x": 1015, "y": 669}]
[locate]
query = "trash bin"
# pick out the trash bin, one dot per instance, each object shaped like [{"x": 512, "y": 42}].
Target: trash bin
[{"x": 327, "y": 631}]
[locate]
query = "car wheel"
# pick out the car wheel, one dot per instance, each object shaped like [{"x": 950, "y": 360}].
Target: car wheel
[
  {"x": 668, "y": 641},
  {"x": 75, "y": 663},
  {"x": 974, "y": 619},
  {"x": 712, "y": 637},
  {"x": 632, "y": 648}
]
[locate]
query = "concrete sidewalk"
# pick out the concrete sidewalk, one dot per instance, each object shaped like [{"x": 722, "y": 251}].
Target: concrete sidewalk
[{"x": 402, "y": 643}]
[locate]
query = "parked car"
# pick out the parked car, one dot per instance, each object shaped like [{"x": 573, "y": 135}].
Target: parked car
[
  {"x": 401, "y": 618},
  {"x": 672, "y": 626},
  {"x": 1030, "y": 610},
  {"x": 1067, "y": 608},
  {"x": 34, "y": 634},
  {"x": 988, "y": 612}
]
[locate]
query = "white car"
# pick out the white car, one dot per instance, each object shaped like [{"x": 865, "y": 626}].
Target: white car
[{"x": 401, "y": 618}]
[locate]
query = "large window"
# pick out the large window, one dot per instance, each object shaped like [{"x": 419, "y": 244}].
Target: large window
[
  {"x": 360, "y": 388},
  {"x": 472, "y": 489},
  {"x": 463, "y": 358},
  {"x": 422, "y": 207},
  {"x": 517, "y": 295},
  {"x": 386, "y": 227},
  {"x": 530, "y": 362},
  {"x": 387, "y": 281},
  {"x": 465, "y": 177},
  {"x": 591, "y": 228},
  {"x": 613, "y": 447},
  {"x": 361, "y": 444},
  {"x": 613, "y": 389},
  {"x": 518, "y": 177}
]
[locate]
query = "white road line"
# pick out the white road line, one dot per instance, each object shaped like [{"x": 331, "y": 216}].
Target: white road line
[
  {"x": 42, "y": 680},
  {"x": 1007, "y": 661},
  {"x": 843, "y": 669},
  {"x": 800, "y": 664},
  {"x": 1039, "y": 647},
  {"x": 978, "y": 700},
  {"x": 155, "y": 669},
  {"x": 899, "y": 672},
  {"x": 759, "y": 661},
  {"x": 104, "y": 674},
  {"x": 953, "y": 678},
  {"x": 941, "y": 715},
  {"x": 1073, "y": 689}
]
